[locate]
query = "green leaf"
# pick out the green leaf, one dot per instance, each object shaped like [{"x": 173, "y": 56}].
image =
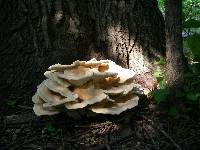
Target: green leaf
[
  {"x": 195, "y": 68},
  {"x": 158, "y": 73},
  {"x": 161, "y": 62},
  {"x": 49, "y": 127},
  {"x": 192, "y": 96},
  {"x": 160, "y": 95},
  {"x": 192, "y": 23},
  {"x": 162, "y": 84},
  {"x": 180, "y": 94},
  {"x": 51, "y": 130},
  {"x": 159, "y": 79},
  {"x": 193, "y": 42},
  {"x": 173, "y": 111}
]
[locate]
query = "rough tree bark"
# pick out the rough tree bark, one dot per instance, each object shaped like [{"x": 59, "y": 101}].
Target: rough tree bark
[
  {"x": 38, "y": 33},
  {"x": 174, "y": 49}
]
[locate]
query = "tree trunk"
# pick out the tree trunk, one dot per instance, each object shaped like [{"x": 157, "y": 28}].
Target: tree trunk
[
  {"x": 38, "y": 33},
  {"x": 174, "y": 49}
]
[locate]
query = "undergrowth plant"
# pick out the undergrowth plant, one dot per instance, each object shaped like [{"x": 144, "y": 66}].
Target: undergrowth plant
[
  {"x": 190, "y": 92},
  {"x": 52, "y": 130},
  {"x": 161, "y": 93}
]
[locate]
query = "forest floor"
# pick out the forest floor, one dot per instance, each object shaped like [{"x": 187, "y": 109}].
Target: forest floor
[{"x": 145, "y": 127}]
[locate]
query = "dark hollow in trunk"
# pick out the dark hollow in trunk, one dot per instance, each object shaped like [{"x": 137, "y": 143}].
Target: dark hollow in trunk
[{"x": 38, "y": 33}]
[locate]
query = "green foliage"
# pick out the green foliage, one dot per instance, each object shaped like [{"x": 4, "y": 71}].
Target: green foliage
[
  {"x": 188, "y": 95},
  {"x": 190, "y": 92},
  {"x": 192, "y": 23},
  {"x": 161, "y": 5},
  {"x": 160, "y": 95},
  {"x": 195, "y": 69},
  {"x": 161, "y": 61},
  {"x": 51, "y": 130},
  {"x": 193, "y": 43},
  {"x": 162, "y": 84},
  {"x": 173, "y": 111},
  {"x": 191, "y": 96},
  {"x": 191, "y": 9},
  {"x": 159, "y": 73}
]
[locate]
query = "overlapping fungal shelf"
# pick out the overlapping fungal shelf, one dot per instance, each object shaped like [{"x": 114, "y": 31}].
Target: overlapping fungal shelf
[{"x": 101, "y": 86}]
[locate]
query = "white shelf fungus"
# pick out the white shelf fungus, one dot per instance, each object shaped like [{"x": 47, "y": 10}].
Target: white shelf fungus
[
  {"x": 101, "y": 86},
  {"x": 116, "y": 106}
]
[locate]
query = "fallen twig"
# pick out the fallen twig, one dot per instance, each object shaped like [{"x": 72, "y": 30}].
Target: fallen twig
[{"x": 25, "y": 107}]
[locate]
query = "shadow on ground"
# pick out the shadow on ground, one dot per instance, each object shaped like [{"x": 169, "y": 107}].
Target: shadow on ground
[{"x": 141, "y": 128}]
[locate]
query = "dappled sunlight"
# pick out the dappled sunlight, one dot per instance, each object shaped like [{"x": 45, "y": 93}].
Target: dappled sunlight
[{"x": 122, "y": 47}]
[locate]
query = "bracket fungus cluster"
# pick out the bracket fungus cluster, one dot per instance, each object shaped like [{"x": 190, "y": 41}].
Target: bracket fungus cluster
[{"x": 101, "y": 86}]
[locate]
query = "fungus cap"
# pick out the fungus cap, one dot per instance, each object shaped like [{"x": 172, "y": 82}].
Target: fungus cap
[
  {"x": 88, "y": 95},
  {"x": 77, "y": 76},
  {"x": 51, "y": 97},
  {"x": 102, "y": 86},
  {"x": 40, "y": 110},
  {"x": 101, "y": 75},
  {"x": 53, "y": 75},
  {"x": 91, "y": 63},
  {"x": 123, "y": 89},
  {"x": 63, "y": 91},
  {"x": 59, "y": 67},
  {"x": 37, "y": 99},
  {"x": 122, "y": 73},
  {"x": 117, "y": 106}
]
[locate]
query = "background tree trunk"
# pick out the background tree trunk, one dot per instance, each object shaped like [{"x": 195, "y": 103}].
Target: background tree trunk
[
  {"x": 174, "y": 48},
  {"x": 38, "y": 33}
]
